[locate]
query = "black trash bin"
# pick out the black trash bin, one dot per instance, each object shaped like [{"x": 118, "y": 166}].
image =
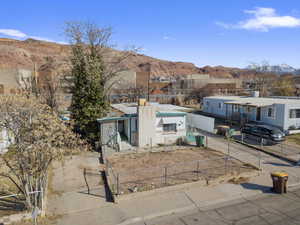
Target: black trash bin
[{"x": 279, "y": 182}]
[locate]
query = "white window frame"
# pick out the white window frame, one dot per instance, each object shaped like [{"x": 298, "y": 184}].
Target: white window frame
[
  {"x": 169, "y": 131},
  {"x": 220, "y": 105},
  {"x": 273, "y": 112},
  {"x": 290, "y": 114}
]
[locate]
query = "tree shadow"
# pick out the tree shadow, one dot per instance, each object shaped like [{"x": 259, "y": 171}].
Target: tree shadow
[
  {"x": 12, "y": 204},
  {"x": 251, "y": 186}
]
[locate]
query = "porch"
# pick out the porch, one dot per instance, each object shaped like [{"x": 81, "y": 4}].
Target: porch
[{"x": 116, "y": 134}]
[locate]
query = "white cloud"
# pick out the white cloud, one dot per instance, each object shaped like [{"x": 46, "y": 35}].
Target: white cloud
[
  {"x": 20, "y": 34},
  {"x": 166, "y": 37},
  {"x": 263, "y": 19},
  {"x": 13, "y": 33}
]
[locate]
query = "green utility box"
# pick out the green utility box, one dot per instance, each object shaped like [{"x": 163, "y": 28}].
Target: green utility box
[{"x": 200, "y": 140}]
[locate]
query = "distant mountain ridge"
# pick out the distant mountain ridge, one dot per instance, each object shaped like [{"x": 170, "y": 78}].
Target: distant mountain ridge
[
  {"x": 278, "y": 69},
  {"x": 30, "y": 53}
]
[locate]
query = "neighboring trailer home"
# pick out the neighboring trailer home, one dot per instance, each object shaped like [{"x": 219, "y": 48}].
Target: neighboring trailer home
[
  {"x": 143, "y": 125},
  {"x": 281, "y": 112}
]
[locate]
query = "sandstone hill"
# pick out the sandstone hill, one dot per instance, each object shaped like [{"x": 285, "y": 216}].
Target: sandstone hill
[{"x": 29, "y": 53}]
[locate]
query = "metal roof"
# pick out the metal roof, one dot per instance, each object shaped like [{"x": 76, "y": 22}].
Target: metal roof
[
  {"x": 131, "y": 108},
  {"x": 255, "y": 101}
]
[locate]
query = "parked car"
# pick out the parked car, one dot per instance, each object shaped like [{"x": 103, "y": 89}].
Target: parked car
[{"x": 264, "y": 131}]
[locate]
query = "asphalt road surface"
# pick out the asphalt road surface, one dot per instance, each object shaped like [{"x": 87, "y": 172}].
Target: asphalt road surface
[{"x": 266, "y": 209}]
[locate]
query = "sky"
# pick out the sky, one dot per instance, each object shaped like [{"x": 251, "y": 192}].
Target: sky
[{"x": 216, "y": 32}]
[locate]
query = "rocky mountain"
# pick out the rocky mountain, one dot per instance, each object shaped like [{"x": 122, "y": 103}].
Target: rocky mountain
[
  {"x": 29, "y": 53},
  {"x": 32, "y": 53}
]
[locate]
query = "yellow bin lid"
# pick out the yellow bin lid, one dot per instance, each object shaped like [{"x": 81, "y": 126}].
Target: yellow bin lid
[{"x": 280, "y": 174}]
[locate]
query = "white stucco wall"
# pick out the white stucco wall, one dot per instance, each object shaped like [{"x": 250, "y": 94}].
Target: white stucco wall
[{"x": 170, "y": 137}]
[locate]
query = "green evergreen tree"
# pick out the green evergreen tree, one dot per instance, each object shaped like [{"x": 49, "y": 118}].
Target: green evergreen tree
[
  {"x": 89, "y": 100},
  {"x": 94, "y": 70}
]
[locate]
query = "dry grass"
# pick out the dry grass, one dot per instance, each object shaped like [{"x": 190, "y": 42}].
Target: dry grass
[
  {"x": 238, "y": 180},
  {"x": 294, "y": 138},
  {"x": 160, "y": 159},
  {"x": 150, "y": 170},
  {"x": 47, "y": 220}
]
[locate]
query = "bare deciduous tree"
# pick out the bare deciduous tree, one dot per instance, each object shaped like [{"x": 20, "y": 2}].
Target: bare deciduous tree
[
  {"x": 49, "y": 83},
  {"x": 37, "y": 137}
]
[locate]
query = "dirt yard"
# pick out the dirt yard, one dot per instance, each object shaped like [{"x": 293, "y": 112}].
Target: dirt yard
[
  {"x": 293, "y": 139},
  {"x": 150, "y": 170}
]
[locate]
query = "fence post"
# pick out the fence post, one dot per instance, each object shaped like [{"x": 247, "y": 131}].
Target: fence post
[
  {"x": 226, "y": 165},
  {"x": 228, "y": 146},
  {"x": 206, "y": 141},
  {"x": 166, "y": 171},
  {"x": 106, "y": 168},
  {"x": 242, "y": 138},
  {"x": 118, "y": 184},
  {"x": 84, "y": 174},
  {"x": 198, "y": 166}
]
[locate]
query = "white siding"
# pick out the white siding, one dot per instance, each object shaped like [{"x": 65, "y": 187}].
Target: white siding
[
  {"x": 201, "y": 122},
  {"x": 170, "y": 137}
]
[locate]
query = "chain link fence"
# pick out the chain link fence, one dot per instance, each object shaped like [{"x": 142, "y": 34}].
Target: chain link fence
[{"x": 156, "y": 177}]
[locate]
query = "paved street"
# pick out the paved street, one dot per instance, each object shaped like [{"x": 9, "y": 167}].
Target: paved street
[{"x": 264, "y": 210}]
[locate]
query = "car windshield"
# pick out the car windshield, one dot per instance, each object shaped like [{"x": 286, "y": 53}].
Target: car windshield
[{"x": 276, "y": 131}]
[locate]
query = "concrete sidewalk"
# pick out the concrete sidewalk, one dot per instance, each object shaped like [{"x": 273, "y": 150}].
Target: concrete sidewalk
[{"x": 145, "y": 208}]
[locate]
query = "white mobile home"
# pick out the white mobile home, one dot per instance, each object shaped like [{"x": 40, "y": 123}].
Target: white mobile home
[
  {"x": 281, "y": 112},
  {"x": 144, "y": 125}
]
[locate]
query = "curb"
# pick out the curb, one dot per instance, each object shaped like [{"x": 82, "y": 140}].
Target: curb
[
  {"x": 206, "y": 206},
  {"x": 155, "y": 215},
  {"x": 192, "y": 206},
  {"x": 268, "y": 152}
]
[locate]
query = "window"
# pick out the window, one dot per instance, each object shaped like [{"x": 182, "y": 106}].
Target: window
[
  {"x": 235, "y": 108},
  {"x": 170, "y": 127},
  {"x": 207, "y": 103},
  {"x": 271, "y": 112},
  {"x": 294, "y": 113},
  {"x": 220, "y": 105}
]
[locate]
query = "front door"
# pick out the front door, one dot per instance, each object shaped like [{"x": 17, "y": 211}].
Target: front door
[{"x": 258, "y": 113}]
